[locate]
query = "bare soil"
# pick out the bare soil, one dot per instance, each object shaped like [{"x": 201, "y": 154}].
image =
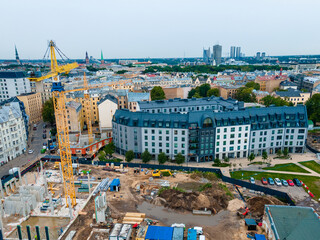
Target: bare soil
[{"x": 256, "y": 204}]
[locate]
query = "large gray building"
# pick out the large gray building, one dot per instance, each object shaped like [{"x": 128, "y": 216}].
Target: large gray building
[
  {"x": 205, "y": 135},
  {"x": 216, "y": 54},
  {"x": 206, "y": 56},
  {"x": 178, "y": 105},
  {"x": 13, "y": 84}
]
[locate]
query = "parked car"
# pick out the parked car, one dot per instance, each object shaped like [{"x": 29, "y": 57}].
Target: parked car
[
  {"x": 290, "y": 182},
  {"x": 297, "y": 182},
  {"x": 44, "y": 136},
  {"x": 284, "y": 182},
  {"x": 30, "y": 151},
  {"x": 264, "y": 181},
  {"x": 277, "y": 181},
  {"x": 252, "y": 180},
  {"x": 44, "y": 131},
  {"x": 270, "y": 181},
  {"x": 44, "y": 125}
]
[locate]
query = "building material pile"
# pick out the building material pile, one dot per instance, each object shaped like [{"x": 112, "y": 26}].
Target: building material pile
[
  {"x": 103, "y": 186},
  {"x": 133, "y": 218},
  {"x": 256, "y": 204},
  {"x": 214, "y": 199},
  {"x": 121, "y": 231}
]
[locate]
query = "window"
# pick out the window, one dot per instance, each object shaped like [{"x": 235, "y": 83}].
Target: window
[
  {"x": 225, "y": 130},
  {"x": 231, "y": 148},
  {"x": 301, "y": 130},
  {"x": 146, "y": 144},
  {"x": 167, "y": 138},
  {"x": 224, "y": 143},
  {"x": 160, "y": 131},
  {"x": 233, "y": 129},
  {"x": 240, "y": 128},
  {"x": 218, "y": 143},
  {"x": 224, "y": 149},
  {"x": 207, "y": 123},
  {"x": 145, "y": 137},
  {"x": 300, "y": 137},
  {"x": 183, "y": 139},
  {"x": 153, "y": 144},
  {"x": 218, "y": 137},
  {"x": 160, "y": 138},
  {"x": 247, "y": 128},
  {"x": 232, "y": 142},
  {"x": 224, "y": 136},
  {"x": 167, "y": 131},
  {"x": 254, "y": 134},
  {"x": 232, "y": 136},
  {"x": 175, "y": 138},
  {"x": 175, "y": 132},
  {"x": 175, "y": 145},
  {"x": 253, "y": 140},
  {"x": 153, "y": 138},
  {"x": 167, "y": 144},
  {"x": 217, "y": 149},
  {"x": 239, "y": 135},
  {"x": 183, "y": 145},
  {"x": 183, "y": 132},
  {"x": 218, "y": 130}
]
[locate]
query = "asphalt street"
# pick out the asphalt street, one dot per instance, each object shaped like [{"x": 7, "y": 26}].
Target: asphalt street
[{"x": 35, "y": 143}]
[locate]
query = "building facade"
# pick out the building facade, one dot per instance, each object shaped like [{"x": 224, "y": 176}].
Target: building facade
[
  {"x": 293, "y": 95},
  {"x": 74, "y": 116},
  {"x": 33, "y": 106},
  {"x": 107, "y": 107},
  {"x": 13, "y": 84},
  {"x": 205, "y": 135},
  {"x": 216, "y": 54},
  {"x": 13, "y": 132}
]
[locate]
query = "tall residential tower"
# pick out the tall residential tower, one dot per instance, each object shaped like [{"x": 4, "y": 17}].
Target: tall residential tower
[{"x": 216, "y": 54}]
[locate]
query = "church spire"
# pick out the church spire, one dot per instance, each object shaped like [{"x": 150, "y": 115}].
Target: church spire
[
  {"x": 17, "y": 55},
  {"x": 102, "y": 60}
]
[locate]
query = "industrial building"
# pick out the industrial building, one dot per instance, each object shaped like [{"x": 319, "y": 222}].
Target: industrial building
[{"x": 205, "y": 135}]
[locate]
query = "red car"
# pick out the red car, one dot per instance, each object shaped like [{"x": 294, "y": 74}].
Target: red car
[
  {"x": 264, "y": 181},
  {"x": 290, "y": 182}
]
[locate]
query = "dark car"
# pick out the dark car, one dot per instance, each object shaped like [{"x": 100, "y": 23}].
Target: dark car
[
  {"x": 44, "y": 136},
  {"x": 264, "y": 181},
  {"x": 44, "y": 131},
  {"x": 297, "y": 182}
]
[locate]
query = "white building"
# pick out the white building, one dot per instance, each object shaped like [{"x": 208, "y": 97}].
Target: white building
[
  {"x": 107, "y": 107},
  {"x": 13, "y": 84},
  {"x": 13, "y": 137}
]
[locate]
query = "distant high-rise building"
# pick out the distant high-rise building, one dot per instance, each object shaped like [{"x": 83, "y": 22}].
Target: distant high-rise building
[
  {"x": 258, "y": 56},
  {"x": 17, "y": 55},
  {"x": 102, "y": 60},
  {"x": 238, "y": 52},
  {"x": 87, "y": 58},
  {"x": 206, "y": 56},
  {"x": 216, "y": 54},
  {"x": 263, "y": 55},
  {"x": 232, "y": 52}
]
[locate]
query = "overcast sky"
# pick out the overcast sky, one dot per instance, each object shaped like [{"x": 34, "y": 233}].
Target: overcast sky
[{"x": 163, "y": 28}]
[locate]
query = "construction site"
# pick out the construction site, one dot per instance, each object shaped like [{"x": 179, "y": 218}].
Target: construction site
[{"x": 120, "y": 201}]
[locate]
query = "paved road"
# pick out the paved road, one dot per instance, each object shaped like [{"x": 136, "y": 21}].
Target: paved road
[{"x": 35, "y": 142}]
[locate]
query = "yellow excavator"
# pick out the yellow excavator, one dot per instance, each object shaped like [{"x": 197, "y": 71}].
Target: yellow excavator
[{"x": 160, "y": 173}]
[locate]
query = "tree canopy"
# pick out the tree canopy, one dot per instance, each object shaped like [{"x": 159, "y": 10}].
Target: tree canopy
[
  {"x": 200, "y": 91},
  {"x": 277, "y": 101},
  {"x": 245, "y": 94},
  {"x": 146, "y": 156},
  {"x": 157, "y": 93},
  {"x": 162, "y": 158},
  {"x": 313, "y": 107},
  {"x": 109, "y": 149},
  {"x": 253, "y": 85},
  {"x": 48, "y": 112},
  {"x": 179, "y": 158},
  {"x": 129, "y": 156},
  {"x": 213, "y": 92}
]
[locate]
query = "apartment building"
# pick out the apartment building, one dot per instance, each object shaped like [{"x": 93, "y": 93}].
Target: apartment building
[
  {"x": 205, "y": 135},
  {"x": 74, "y": 116},
  {"x": 134, "y": 97},
  {"x": 13, "y": 134},
  {"x": 13, "y": 84},
  {"x": 269, "y": 83},
  {"x": 33, "y": 106},
  {"x": 293, "y": 95}
]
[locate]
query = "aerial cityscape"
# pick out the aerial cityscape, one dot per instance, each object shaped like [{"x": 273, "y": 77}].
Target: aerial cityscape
[{"x": 160, "y": 121}]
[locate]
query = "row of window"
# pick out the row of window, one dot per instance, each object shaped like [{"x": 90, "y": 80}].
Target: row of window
[
  {"x": 175, "y": 145},
  {"x": 183, "y": 139},
  {"x": 232, "y": 129},
  {"x": 232, "y": 136},
  {"x": 175, "y": 132},
  {"x": 175, "y": 151},
  {"x": 224, "y": 149}
]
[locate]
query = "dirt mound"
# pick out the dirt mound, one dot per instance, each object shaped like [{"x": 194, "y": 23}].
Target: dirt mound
[
  {"x": 213, "y": 199},
  {"x": 235, "y": 204},
  {"x": 256, "y": 204}
]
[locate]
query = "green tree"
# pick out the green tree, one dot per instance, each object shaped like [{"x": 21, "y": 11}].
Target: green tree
[
  {"x": 129, "y": 156},
  {"x": 162, "y": 158},
  {"x": 264, "y": 155},
  {"x": 48, "y": 112},
  {"x": 279, "y": 153},
  {"x": 102, "y": 155},
  {"x": 226, "y": 160},
  {"x": 251, "y": 157},
  {"x": 217, "y": 161},
  {"x": 179, "y": 158},
  {"x": 253, "y": 85},
  {"x": 285, "y": 152},
  {"x": 313, "y": 108},
  {"x": 109, "y": 149},
  {"x": 197, "y": 95},
  {"x": 245, "y": 94},
  {"x": 146, "y": 156},
  {"x": 192, "y": 92},
  {"x": 203, "y": 89},
  {"x": 157, "y": 93},
  {"x": 213, "y": 92},
  {"x": 277, "y": 101}
]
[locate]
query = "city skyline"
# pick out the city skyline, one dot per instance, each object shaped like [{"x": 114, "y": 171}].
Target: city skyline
[{"x": 142, "y": 29}]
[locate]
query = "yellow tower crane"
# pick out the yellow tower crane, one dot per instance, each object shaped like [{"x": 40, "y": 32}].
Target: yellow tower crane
[{"x": 59, "y": 101}]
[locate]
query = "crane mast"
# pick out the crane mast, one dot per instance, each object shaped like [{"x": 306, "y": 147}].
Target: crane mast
[{"x": 87, "y": 103}]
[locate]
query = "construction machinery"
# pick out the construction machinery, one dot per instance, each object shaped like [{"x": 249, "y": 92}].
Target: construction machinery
[
  {"x": 87, "y": 103},
  {"x": 160, "y": 173}
]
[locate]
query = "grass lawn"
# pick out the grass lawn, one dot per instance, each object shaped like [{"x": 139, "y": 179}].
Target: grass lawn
[
  {"x": 312, "y": 165},
  {"x": 287, "y": 167},
  {"x": 256, "y": 163},
  {"x": 312, "y": 182}
]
